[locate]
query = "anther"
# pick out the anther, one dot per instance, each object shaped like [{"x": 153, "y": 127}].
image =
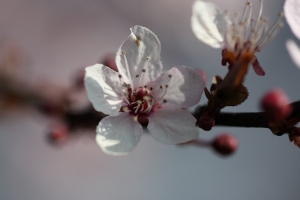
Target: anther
[
  {"x": 281, "y": 14},
  {"x": 145, "y": 86},
  {"x": 125, "y": 109},
  {"x": 165, "y": 101},
  {"x": 166, "y": 86},
  {"x": 139, "y": 102},
  {"x": 161, "y": 87},
  {"x": 133, "y": 98},
  {"x": 170, "y": 76},
  {"x": 146, "y": 98},
  {"x": 123, "y": 52},
  {"x": 120, "y": 76},
  {"x": 144, "y": 70},
  {"x": 148, "y": 58},
  {"x": 137, "y": 75},
  {"x": 151, "y": 88}
]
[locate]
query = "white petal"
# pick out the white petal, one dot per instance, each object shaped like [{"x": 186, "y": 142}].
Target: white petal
[
  {"x": 185, "y": 86},
  {"x": 172, "y": 125},
  {"x": 209, "y": 23},
  {"x": 294, "y": 51},
  {"x": 142, "y": 49},
  {"x": 118, "y": 135},
  {"x": 292, "y": 15},
  {"x": 102, "y": 86}
]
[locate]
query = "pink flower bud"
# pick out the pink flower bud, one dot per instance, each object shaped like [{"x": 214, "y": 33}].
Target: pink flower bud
[
  {"x": 225, "y": 144},
  {"x": 206, "y": 122},
  {"x": 276, "y": 104},
  {"x": 58, "y": 135}
]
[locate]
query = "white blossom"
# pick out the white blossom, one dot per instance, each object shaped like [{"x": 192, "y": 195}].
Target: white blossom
[
  {"x": 292, "y": 14},
  {"x": 139, "y": 91},
  {"x": 212, "y": 26}
]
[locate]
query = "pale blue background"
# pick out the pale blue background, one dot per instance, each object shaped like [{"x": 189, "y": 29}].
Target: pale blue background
[{"x": 63, "y": 35}]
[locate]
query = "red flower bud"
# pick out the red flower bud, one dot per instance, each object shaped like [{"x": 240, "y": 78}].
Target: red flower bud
[
  {"x": 225, "y": 144},
  {"x": 206, "y": 121},
  {"x": 58, "y": 135},
  {"x": 276, "y": 104}
]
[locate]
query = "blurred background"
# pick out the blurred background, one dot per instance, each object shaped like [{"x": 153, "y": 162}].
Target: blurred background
[{"x": 59, "y": 37}]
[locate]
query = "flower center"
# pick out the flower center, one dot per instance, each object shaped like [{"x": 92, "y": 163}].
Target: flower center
[
  {"x": 141, "y": 99},
  {"x": 138, "y": 101}
]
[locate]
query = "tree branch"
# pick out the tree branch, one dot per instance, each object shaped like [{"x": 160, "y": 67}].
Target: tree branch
[{"x": 244, "y": 119}]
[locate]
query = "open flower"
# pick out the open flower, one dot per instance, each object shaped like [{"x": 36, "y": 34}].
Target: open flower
[
  {"x": 292, "y": 13},
  {"x": 140, "y": 91},
  {"x": 213, "y": 27}
]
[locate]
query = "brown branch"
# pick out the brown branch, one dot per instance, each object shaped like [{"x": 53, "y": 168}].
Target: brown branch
[{"x": 244, "y": 119}]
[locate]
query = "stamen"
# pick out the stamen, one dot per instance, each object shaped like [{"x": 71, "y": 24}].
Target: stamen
[
  {"x": 248, "y": 19},
  {"x": 125, "y": 109},
  {"x": 127, "y": 67},
  {"x": 133, "y": 98},
  {"x": 161, "y": 95},
  {"x": 146, "y": 98},
  {"x": 137, "y": 108},
  {"x": 159, "y": 105},
  {"x": 141, "y": 77},
  {"x": 266, "y": 38},
  {"x": 150, "y": 105},
  {"x": 245, "y": 10},
  {"x": 161, "y": 86}
]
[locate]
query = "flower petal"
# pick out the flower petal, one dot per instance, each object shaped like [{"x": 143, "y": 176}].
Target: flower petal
[
  {"x": 294, "y": 51},
  {"x": 140, "y": 51},
  {"x": 102, "y": 85},
  {"x": 172, "y": 125},
  {"x": 257, "y": 67},
  {"x": 209, "y": 23},
  {"x": 184, "y": 88},
  {"x": 292, "y": 15},
  {"x": 118, "y": 135}
]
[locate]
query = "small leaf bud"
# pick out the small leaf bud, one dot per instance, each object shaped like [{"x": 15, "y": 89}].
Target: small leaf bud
[{"x": 206, "y": 121}]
